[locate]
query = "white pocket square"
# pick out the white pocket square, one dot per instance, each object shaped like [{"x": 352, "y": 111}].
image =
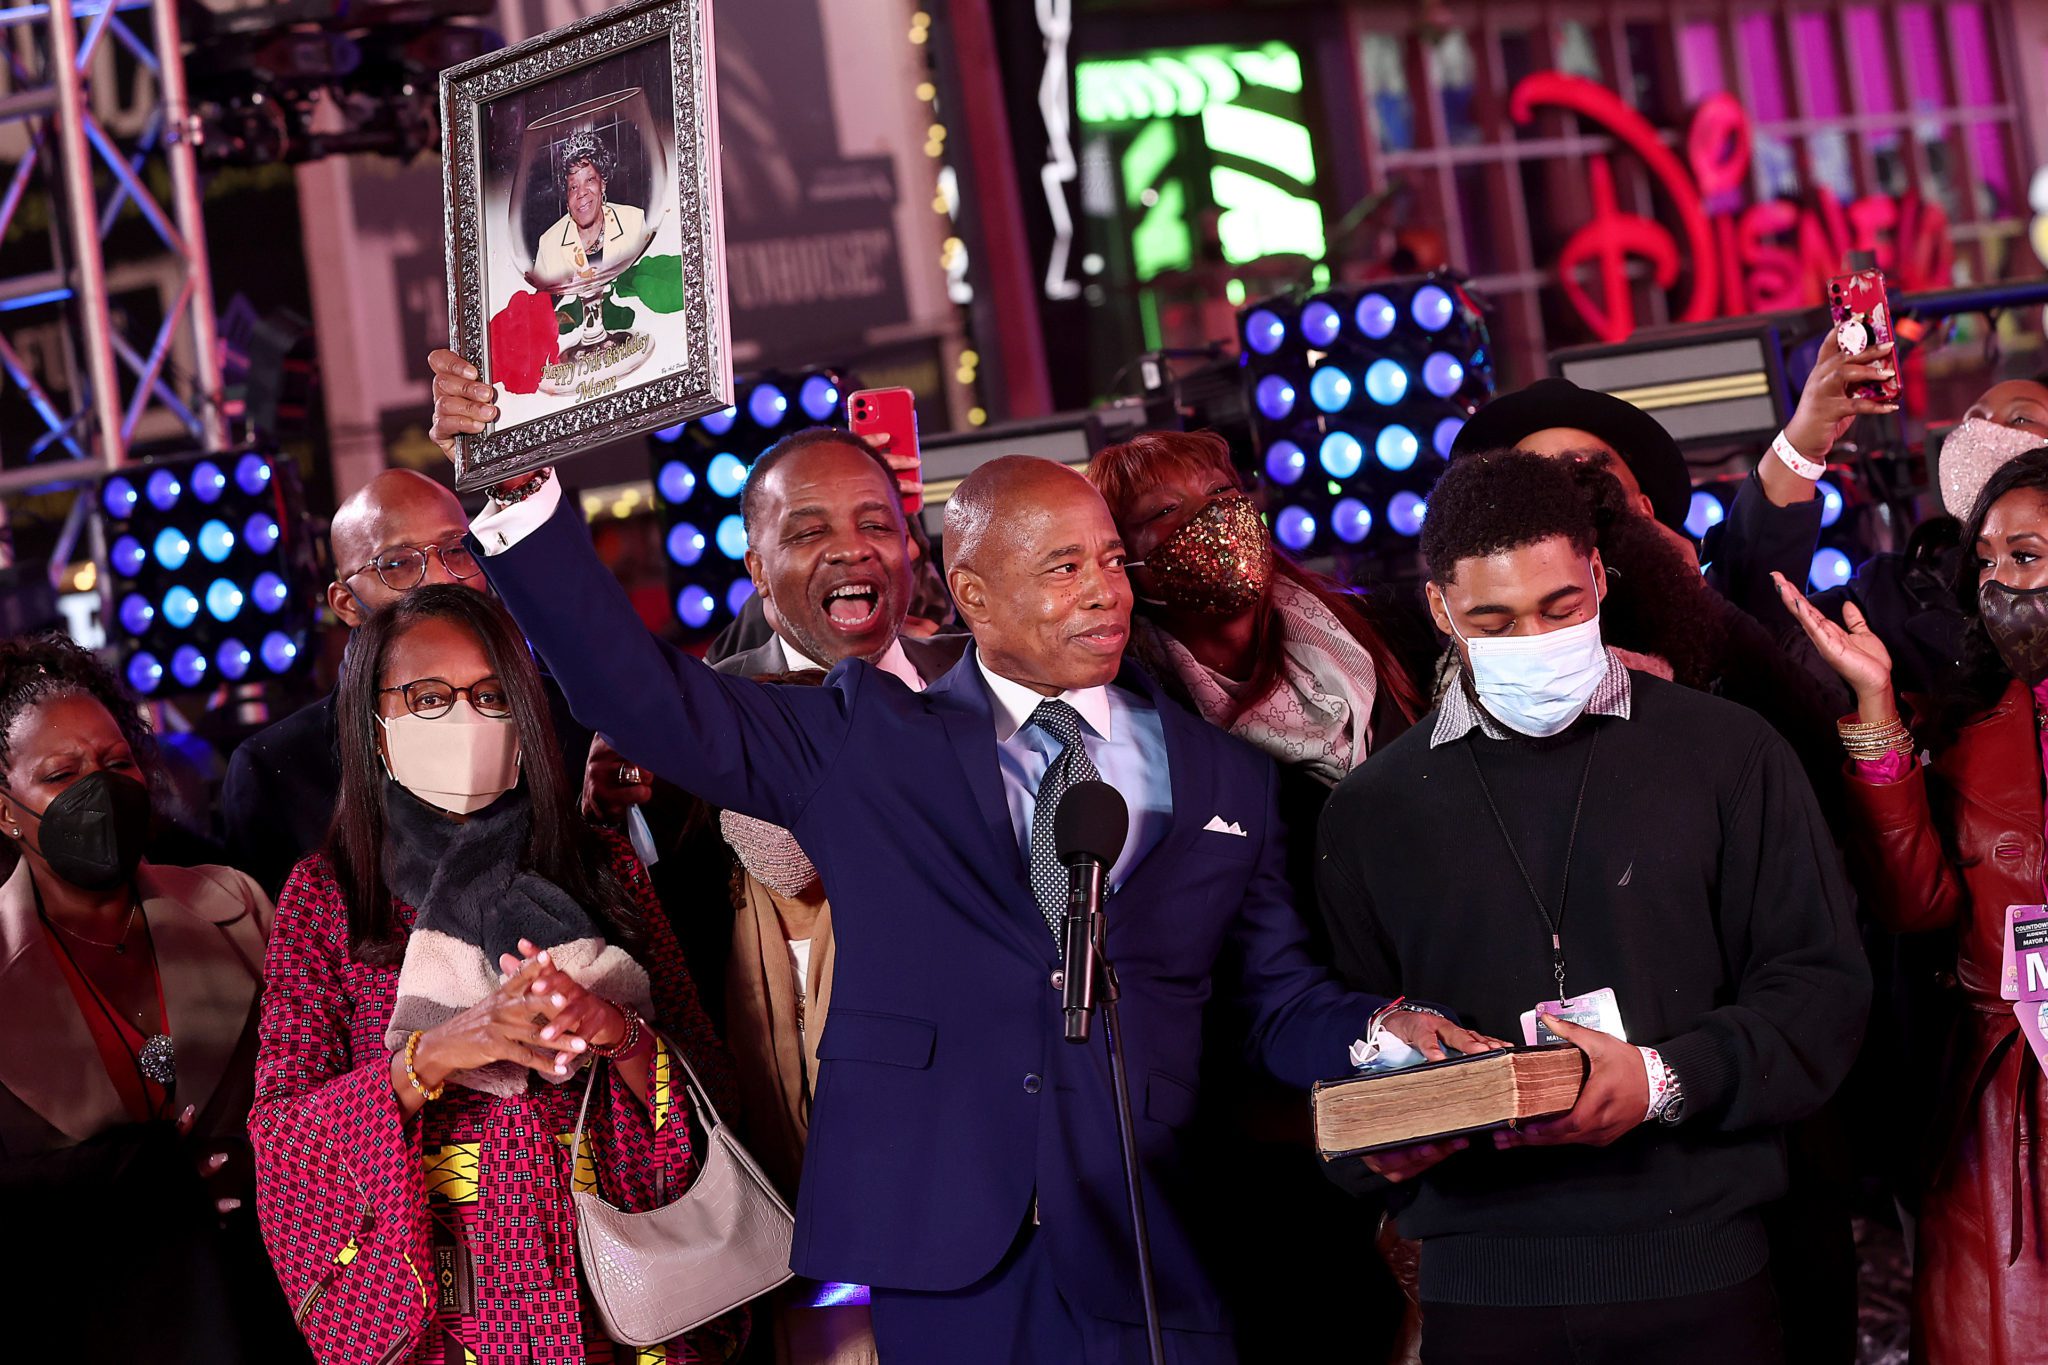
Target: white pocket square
[{"x": 1218, "y": 825}]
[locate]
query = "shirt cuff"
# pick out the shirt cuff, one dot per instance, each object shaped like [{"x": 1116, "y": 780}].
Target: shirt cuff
[
  {"x": 498, "y": 528},
  {"x": 1882, "y": 772}
]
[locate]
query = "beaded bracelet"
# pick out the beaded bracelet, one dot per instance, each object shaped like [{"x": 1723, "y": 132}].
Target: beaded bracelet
[
  {"x": 627, "y": 1047},
  {"x": 412, "y": 1043},
  {"x": 507, "y": 498}
]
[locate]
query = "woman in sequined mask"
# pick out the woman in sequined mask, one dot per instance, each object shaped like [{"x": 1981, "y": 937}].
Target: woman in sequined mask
[{"x": 1292, "y": 663}]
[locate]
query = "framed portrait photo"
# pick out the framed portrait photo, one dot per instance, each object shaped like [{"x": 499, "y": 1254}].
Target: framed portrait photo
[{"x": 586, "y": 256}]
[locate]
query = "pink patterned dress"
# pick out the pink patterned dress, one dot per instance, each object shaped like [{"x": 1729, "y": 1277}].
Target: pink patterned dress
[{"x": 449, "y": 1238}]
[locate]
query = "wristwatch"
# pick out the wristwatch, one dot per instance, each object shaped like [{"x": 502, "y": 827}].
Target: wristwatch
[{"x": 1673, "y": 1108}]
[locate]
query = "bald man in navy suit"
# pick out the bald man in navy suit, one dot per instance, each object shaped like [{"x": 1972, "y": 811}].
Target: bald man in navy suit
[{"x": 963, "y": 1157}]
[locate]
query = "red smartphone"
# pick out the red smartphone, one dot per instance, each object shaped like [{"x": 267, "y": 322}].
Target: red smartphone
[
  {"x": 1863, "y": 319},
  {"x": 892, "y": 413}
]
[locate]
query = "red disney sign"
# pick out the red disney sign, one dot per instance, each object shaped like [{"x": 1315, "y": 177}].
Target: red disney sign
[{"x": 1773, "y": 255}]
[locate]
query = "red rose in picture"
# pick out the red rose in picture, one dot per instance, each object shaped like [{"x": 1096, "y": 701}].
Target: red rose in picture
[{"x": 524, "y": 340}]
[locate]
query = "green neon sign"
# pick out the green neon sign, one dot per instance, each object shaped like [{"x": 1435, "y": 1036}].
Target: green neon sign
[{"x": 1246, "y": 103}]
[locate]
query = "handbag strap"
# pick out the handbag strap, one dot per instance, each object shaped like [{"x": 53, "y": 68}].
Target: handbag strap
[{"x": 693, "y": 1091}]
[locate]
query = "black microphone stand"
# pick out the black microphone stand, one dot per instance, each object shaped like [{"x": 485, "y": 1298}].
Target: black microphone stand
[{"x": 1105, "y": 993}]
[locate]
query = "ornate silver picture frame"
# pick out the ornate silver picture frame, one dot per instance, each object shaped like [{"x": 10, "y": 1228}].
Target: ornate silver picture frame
[{"x": 585, "y": 245}]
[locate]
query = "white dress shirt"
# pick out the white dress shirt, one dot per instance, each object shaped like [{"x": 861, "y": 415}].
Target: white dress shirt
[
  {"x": 1121, "y": 734},
  {"x": 894, "y": 662}
]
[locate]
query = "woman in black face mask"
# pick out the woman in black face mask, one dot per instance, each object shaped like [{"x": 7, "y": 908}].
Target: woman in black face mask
[
  {"x": 128, "y": 997},
  {"x": 1947, "y": 847}
]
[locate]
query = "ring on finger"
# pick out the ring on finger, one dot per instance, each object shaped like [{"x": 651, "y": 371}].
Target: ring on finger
[{"x": 629, "y": 775}]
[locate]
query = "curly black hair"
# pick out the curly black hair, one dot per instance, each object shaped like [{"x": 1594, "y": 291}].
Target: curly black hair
[
  {"x": 1657, "y": 603},
  {"x": 39, "y": 668},
  {"x": 1499, "y": 500}
]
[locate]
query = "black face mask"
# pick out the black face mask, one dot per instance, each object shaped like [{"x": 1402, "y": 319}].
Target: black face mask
[
  {"x": 2016, "y": 619},
  {"x": 93, "y": 833}
]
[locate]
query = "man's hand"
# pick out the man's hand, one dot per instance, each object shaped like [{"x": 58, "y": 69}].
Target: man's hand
[
  {"x": 463, "y": 404},
  {"x": 1405, "y": 1163},
  {"x": 1616, "y": 1098},
  {"x": 1430, "y": 1034},
  {"x": 607, "y": 791}
]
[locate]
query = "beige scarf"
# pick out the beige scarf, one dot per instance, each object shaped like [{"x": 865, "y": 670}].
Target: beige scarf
[{"x": 1318, "y": 717}]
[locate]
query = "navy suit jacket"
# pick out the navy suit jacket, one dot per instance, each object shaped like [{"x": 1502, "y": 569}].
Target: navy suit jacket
[{"x": 947, "y": 1096}]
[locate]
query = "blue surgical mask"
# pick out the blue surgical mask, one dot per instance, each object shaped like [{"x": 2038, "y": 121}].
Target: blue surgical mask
[{"x": 1537, "y": 685}]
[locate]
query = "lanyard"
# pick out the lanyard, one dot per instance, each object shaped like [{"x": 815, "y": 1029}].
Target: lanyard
[{"x": 1554, "y": 923}]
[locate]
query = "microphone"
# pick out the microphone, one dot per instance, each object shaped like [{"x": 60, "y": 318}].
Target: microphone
[{"x": 1088, "y": 831}]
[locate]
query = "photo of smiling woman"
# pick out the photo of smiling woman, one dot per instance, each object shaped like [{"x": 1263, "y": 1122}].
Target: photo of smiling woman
[
  {"x": 127, "y": 1009},
  {"x": 464, "y": 947}
]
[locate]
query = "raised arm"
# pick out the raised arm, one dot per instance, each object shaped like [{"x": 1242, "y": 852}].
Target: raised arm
[
  {"x": 1897, "y": 855},
  {"x": 1775, "y": 522},
  {"x": 755, "y": 749}
]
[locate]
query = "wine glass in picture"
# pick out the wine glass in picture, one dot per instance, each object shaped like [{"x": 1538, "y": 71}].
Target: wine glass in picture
[{"x": 587, "y": 198}]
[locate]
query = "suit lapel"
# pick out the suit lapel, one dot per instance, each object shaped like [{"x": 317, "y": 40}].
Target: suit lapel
[
  {"x": 963, "y": 706},
  {"x": 1183, "y": 743},
  {"x": 51, "y": 1064},
  {"x": 201, "y": 929}
]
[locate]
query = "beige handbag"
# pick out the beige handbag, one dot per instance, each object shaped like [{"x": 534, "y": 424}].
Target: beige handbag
[{"x": 656, "y": 1275}]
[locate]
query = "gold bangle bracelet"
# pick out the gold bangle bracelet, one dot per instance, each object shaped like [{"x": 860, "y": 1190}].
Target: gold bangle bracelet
[
  {"x": 412, "y": 1044},
  {"x": 1846, "y": 728}
]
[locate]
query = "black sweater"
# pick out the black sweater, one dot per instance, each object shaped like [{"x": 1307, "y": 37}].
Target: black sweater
[{"x": 1705, "y": 891}]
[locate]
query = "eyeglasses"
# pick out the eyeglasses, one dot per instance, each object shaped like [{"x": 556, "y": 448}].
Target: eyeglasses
[
  {"x": 433, "y": 698},
  {"x": 404, "y": 567}
]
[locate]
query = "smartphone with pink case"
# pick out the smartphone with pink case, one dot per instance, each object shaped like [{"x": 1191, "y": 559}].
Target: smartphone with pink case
[{"x": 1863, "y": 319}]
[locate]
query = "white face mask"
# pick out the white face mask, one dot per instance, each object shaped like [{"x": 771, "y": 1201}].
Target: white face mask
[
  {"x": 1536, "y": 684},
  {"x": 461, "y": 762}
]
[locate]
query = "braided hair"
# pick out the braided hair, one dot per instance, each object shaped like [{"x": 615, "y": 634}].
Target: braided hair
[{"x": 35, "y": 669}]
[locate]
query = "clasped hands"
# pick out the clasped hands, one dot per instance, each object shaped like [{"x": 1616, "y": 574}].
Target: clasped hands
[
  {"x": 1614, "y": 1100},
  {"x": 539, "y": 1016}
]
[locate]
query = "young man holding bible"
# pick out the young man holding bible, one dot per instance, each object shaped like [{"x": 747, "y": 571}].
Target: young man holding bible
[{"x": 1562, "y": 831}]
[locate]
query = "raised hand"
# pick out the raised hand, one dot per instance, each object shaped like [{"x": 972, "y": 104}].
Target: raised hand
[
  {"x": 1852, "y": 649},
  {"x": 463, "y": 404},
  {"x": 1826, "y": 407}
]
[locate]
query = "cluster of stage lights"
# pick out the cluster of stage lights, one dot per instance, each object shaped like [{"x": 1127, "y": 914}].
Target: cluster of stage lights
[
  {"x": 201, "y": 593},
  {"x": 1832, "y": 564},
  {"x": 1358, "y": 394},
  {"x": 700, "y": 469}
]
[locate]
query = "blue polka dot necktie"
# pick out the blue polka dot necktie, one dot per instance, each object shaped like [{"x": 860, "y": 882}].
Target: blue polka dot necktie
[{"x": 1070, "y": 765}]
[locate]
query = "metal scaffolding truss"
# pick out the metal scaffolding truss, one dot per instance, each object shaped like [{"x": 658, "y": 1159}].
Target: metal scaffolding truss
[{"x": 122, "y": 377}]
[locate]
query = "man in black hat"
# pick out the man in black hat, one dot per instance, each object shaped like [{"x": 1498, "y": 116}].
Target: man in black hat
[{"x": 1556, "y": 417}]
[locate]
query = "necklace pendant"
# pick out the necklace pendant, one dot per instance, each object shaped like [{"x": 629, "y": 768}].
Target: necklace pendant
[
  {"x": 158, "y": 1059},
  {"x": 121, "y": 949}
]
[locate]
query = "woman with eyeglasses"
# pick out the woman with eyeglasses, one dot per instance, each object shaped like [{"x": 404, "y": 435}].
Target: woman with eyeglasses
[
  {"x": 127, "y": 1035},
  {"x": 401, "y": 531},
  {"x": 440, "y": 976}
]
